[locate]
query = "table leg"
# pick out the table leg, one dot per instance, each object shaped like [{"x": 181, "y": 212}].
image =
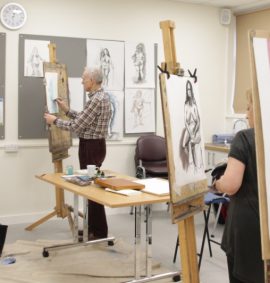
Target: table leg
[
  {"x": 148, "y": 237},
  {"x": 76, "y": 218},
  {"x": 85, "y": 220},
  {"x": 137, "y": 254}
]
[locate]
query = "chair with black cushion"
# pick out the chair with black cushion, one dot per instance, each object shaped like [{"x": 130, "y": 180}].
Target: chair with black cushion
[{"x": 150, "y": 157}]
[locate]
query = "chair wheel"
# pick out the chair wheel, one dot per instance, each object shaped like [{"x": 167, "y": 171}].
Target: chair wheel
[
  {"x": 45, "y": 253},
  {"x": 176, "y": 278},
  {"x": 110, "y": 243}
]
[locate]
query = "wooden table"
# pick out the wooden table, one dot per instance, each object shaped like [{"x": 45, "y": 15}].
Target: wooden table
[{"x": 113, "y": 200}]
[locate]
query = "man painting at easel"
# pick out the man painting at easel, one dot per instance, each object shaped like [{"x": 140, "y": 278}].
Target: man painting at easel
[
  {"x": 241, "y": 239},
  {"x": 91, "y": 126}
]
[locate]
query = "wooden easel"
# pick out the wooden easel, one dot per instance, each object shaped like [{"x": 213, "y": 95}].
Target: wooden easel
[
  {"x": 61, "y": 209},
  {"x": 183, "y": 213}
]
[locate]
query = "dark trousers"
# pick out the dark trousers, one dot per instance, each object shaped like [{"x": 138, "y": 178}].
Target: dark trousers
[
  {"x": 93, "y": 152},
  {"x": 230, "y": 262},
  {"x": 3, "y": 233}
]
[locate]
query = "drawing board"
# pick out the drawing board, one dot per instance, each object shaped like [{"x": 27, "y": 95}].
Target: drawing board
[
  {"x": 59, "y": 140},
  {"x": 184, "y": 138},
  {"x": 260, "y": 66}
]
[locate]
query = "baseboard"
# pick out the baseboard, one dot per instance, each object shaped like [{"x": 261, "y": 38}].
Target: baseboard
[{"x": 35, "y": 216}]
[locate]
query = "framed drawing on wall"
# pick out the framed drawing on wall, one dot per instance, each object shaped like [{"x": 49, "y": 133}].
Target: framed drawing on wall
[
  {"x": 140, "y": 111},
  {"x": 184, "y": 138}
]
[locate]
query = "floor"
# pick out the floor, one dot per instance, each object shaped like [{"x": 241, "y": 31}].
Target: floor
[{"x": 163, "y": 246}]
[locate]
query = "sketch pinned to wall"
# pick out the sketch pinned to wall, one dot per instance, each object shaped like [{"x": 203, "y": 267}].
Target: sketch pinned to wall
[
  {"x": 35, "y": 53},
  {"x": 186, "y": 132},
  {"x": 139, "y": 65},
  {"x": 116, "y": 123},
  {"x": 109, "y": 56},
  {"x": 51, "y": 85},
  {"x": 76, "y": 93},
  {"x": 140, "y": 111},
  {"x": 1, "y": 111},
  {"x": 261, "y": 48}
]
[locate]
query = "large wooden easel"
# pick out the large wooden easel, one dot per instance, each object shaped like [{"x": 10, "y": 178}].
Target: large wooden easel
[
  {"x": 182, "y": 212},
  {"x": 61, "y": 209},
  {"x": 261, "y": 149}
]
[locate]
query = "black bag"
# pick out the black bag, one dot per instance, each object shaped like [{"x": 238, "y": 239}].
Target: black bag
[
  {"x": 3, "y": 233},
  {"x": 217, "y": 172}
]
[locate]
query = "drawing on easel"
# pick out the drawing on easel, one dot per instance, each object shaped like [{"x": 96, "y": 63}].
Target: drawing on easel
[
  {"x": 190, "y": 149},
  {"x": 35, "y": 53},
  {"x": 109, "y": 56},
  {"x": 51, "y": 85},
  {"x": 180, "y": 101},
  {"x": 56, "y": 86},
  {"x": 260, "y": 63},
  {"x": 139, "y": 110},
  {"x": 116, "y": 123}
]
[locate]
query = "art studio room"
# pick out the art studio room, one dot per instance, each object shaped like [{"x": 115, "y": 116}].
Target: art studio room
[{"x": 132, "y": 144}]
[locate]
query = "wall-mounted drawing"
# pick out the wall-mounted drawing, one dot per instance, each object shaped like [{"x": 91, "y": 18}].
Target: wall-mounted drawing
[
  {"x": 139, "y": 65},
  {"x": 35, "y": 53},
  {"x": 109, "y": 56},
  {"x": 116, "y": 123},
  {"x": 51, "y": 85},
  {"x": 186, "y": 131},
  {"x": 76, "y": 94},
  {"x": 140, "y": 111}
]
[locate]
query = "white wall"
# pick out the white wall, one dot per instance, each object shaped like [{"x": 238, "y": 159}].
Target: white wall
[{"x": 201, "y": 42}]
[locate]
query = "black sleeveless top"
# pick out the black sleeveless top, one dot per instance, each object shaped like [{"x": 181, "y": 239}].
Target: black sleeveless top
[{"x": 241, "y": 239}]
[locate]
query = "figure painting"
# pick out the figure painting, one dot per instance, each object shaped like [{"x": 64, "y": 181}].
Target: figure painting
[
  {"x": 35, "y": 53},
  {"x": 116, "y": 123},
  {"x": 139, "y": 65},
  {"x": 109, "y": 56},
  {"x": 185, "y": 137},
  {"x": 140, "y": 111}
]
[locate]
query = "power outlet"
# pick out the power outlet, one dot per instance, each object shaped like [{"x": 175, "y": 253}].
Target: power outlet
[{"x": 11, "y": 148}]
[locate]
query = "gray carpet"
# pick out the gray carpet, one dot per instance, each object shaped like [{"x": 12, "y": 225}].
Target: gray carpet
[{"x": 96, "y": 263}]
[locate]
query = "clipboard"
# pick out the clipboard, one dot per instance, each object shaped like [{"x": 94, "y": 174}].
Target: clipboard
[{"x": 118, "y": 184}]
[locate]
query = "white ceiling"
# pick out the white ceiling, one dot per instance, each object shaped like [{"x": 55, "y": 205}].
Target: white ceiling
[{"x": 237, "y": 6}]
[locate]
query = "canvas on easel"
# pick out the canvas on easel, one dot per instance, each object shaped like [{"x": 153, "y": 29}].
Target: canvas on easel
[
  {"x": 56, "y": 84},
  {"x": 260, "y": 66},
  {"x": 185, "y": 145}
]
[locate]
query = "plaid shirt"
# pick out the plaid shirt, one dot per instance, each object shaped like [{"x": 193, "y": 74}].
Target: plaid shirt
[{"x": 93, "y": 121}]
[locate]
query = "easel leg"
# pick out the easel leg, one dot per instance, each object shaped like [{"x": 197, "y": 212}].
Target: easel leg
[
  {"x": 41, "y": 220},
  {"x": 188, "y": 251}
]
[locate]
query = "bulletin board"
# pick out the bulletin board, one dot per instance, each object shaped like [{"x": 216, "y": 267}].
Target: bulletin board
[
  {"x": 2, "y": 83},
  {"x": 32, "y": 96},
  {"x": 259, "y": 43}
]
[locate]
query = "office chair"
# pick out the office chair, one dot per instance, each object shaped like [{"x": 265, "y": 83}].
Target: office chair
[
  {"x": 209, "y": 200},
  {"x": 150, "y": 158}
]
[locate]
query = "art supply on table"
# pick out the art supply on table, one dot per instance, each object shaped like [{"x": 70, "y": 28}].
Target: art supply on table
[
  {"x": 69, "y": 170},
  {"x": 8, "y": 260},
  {"x": 91, "y": 170},
  {"x": 118, "y": 183}
]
